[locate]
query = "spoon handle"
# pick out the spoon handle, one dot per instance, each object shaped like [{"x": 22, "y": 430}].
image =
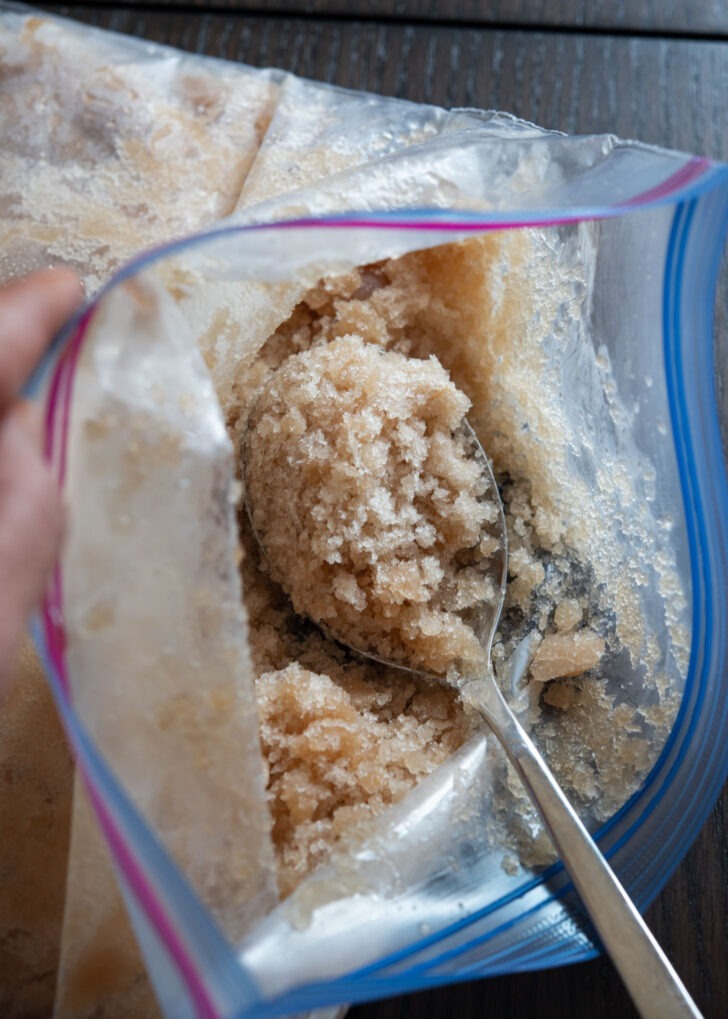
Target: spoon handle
[{"x": 653, "y": 984}]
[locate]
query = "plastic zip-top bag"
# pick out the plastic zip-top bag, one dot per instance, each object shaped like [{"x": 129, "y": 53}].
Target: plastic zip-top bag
[
  {"x": 594, "y": 345},
  {"x": 289, "y": 826}
]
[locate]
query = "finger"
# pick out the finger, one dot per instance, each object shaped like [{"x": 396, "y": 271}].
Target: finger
[
  {"x": 32, "y": 310},
  {"x": 31, "y": 529},
  {"x": 30, "y": 417}
]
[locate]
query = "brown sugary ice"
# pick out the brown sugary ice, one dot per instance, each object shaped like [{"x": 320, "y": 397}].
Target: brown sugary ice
[
  {"x": 107, "y": 152},
  {"x": 340, "y": 749},
  {"x": 449, "y": 302},
  {"x": 568, "y": 614},
  {"x": 374, "y": 513},
  {"x": 398, "y": 728},
  {"x": 566, "y": 654}
]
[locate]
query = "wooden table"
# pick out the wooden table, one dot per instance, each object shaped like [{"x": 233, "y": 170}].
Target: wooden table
[{"x": 650, "y": 69}]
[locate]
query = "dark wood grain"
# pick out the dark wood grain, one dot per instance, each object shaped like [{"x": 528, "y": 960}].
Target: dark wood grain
[
  {"x": 650, "y": 16},
  {"x": 662, "y": 90}
]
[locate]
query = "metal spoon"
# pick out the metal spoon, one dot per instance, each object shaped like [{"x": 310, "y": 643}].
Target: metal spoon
[{"x": 653, "y": 984}]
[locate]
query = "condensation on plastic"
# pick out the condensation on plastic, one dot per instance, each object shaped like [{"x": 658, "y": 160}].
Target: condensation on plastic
[{"x": 418, "y": 904}]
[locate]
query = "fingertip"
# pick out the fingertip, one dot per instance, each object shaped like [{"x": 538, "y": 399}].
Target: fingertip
[
  {"x": 32, "y": 523},
  {"x": 51, "y": 294},
  {"x": 30, "y": 418},
  {"x": 32, "y": 310},
  {"x": 62, "y": 286}
]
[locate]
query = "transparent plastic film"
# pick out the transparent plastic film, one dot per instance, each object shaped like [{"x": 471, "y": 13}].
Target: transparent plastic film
[
  {"x": 160, "y": 678},
  {"x": 288, "y": 826},
  {"x": 446, "y": 864}
]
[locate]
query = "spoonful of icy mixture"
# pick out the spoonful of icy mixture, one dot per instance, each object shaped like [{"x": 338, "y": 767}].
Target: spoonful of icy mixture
[
  {"x": 377, "y": 512},
  {"x": 376, "y": 507}
]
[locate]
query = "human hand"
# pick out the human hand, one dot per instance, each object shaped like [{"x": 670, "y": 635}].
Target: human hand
[{"x": 31, "y": 513}]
